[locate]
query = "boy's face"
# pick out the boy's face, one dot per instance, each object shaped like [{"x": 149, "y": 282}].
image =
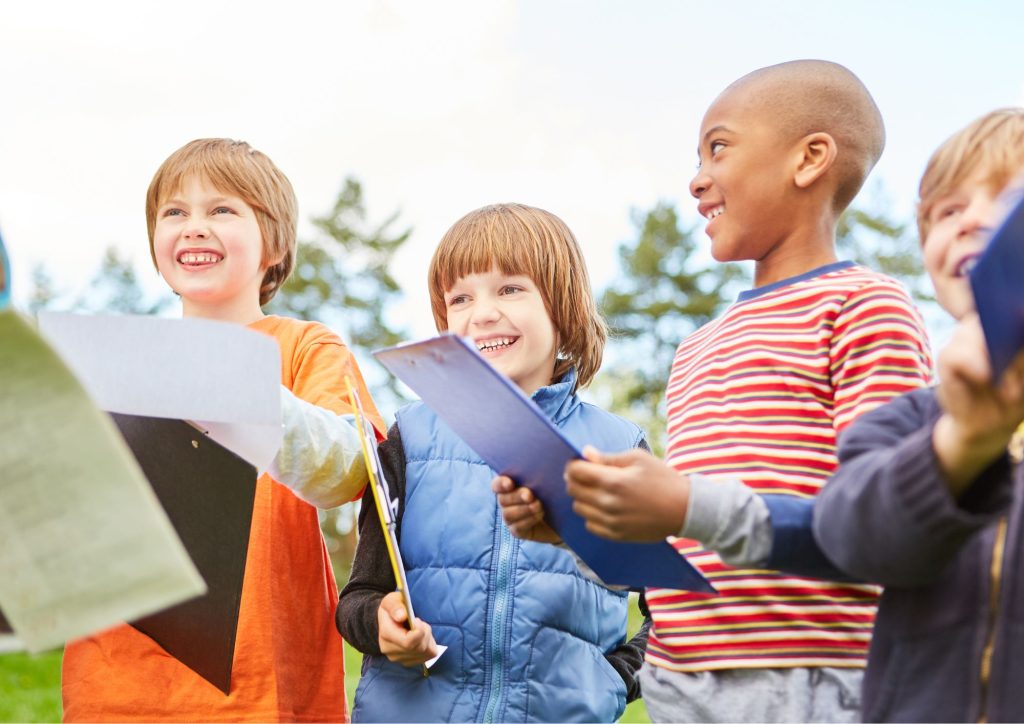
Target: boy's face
[
  {"x": 961, "y": 221},
  {"x": 741, "y": 181},
  {"x": 209, "y": 250},
  {"x": 506, "y": 318}
]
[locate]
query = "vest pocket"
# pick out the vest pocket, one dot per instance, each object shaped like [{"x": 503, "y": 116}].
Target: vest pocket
[
  {"x": 391, "y": 692},
  {"x": 569, "y": 679}
]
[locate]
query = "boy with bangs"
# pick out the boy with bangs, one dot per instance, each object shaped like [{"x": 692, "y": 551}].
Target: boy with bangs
[
  {"x": 222, "y": 231},
  {"x": 929, "y": 495},
  {"x": 759, "y": 395},
  {"x": 530, "y": 636}
]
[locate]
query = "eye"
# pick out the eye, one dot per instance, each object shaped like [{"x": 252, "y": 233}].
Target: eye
[
  {"x": 945, "y": 209},
  {"x": 172, "y": 212},
  {"x": 509, "y": 289},
  {"x": 456, "y": 300},
  {"x": 715, "y": 147},
  {"x": 223, "y": 210}
]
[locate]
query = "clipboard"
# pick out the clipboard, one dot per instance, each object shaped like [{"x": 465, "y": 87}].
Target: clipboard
[
  {"x": 512, "y": 435},
  {"x": 208, "y": 493},
  {"x": 5, "y": 277},
  {"x": 997, "y": 281},
  {"x": 387, "y": 508}
]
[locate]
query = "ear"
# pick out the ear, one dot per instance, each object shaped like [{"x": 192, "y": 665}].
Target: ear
[{"x": 816, "y": 152}]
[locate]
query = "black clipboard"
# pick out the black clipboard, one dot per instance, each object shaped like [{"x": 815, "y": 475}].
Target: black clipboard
[
  {"x": 516, "y": 439},
  {"x": 208, "y": 493}
]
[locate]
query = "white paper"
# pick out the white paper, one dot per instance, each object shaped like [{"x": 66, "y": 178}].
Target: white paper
[
  {"x": 221, "y": 376},
  {"x": 84, "y": 542}
]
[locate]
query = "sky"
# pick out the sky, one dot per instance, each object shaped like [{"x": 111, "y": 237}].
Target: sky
[{"x": 588, "y": 109}]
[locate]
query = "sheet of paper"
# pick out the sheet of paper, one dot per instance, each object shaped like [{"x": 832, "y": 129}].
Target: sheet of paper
[
  {"x": 84, "y": 543},
  {"x": 223, "y": 377}
]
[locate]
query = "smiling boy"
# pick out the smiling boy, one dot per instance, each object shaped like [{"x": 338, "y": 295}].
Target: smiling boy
[
  {"x": 760, "y": 395},
  {"x": 222, "y": 228}
]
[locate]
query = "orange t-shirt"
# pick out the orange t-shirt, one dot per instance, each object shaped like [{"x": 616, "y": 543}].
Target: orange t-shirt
[{"x": 288, "y": 663}]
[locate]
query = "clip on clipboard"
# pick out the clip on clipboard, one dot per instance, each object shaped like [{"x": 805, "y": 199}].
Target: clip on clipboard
[
  {"x": 515, "y": 438},
  {"x": 998, "y": 291},
  {"x": 386, "y": 506}
]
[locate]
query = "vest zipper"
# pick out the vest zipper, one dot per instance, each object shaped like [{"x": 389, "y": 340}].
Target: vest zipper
[
  {"x": 499, "y": 614},
  {"x": 995, "y": 576}
]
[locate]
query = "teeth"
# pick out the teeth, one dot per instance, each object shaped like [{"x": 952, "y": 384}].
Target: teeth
[
  {"x": 494, "y": 343},
  {"x": 965, "y": 266},
  {"x": 205, "y": 257},
  {"x": 717, "y": 211}
]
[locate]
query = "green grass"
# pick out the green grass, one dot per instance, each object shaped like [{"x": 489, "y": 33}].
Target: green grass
[
  {"x": 30, "y": 687},
  {"x": 30, "y": 684}
]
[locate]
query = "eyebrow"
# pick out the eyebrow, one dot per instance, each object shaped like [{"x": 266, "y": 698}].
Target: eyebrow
[
  {"x": 179, "y": 202},
  {"x": 711, "y": 131}
]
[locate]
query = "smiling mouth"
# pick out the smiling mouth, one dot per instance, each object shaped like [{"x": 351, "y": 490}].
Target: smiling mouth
[
  {"x": 715, "y": 212},
  {"x": 964, "y": 267},
  {"x": 495, "y": 344},
  {"x": 198, "y": 258}
]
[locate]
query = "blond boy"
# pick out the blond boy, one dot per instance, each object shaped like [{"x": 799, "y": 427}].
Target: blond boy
[{"x": 222, "y": 226}]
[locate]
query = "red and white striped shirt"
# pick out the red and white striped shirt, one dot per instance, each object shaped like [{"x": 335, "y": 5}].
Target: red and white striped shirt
[{"x": 760, "y": 394}]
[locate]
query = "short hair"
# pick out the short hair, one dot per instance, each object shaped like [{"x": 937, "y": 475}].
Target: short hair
[
  {"x": 811, "y": 96},
  {"x": 523, "y": 240},
  {"x": 992, "y": 145},
  {"x": 236, "y": 168}
]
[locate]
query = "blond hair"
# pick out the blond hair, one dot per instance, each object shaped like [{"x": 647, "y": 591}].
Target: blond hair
[
  {"x": 992, "y": 145},
  {"x": 234, "y": 167},
  {"x": 523, "y": 240}
]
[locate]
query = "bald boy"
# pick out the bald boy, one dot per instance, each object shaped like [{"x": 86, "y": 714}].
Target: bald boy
[{"x": 758, "y": 397}]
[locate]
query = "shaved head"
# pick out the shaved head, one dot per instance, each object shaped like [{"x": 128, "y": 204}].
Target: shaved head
[{"x": 811, "y": 96}]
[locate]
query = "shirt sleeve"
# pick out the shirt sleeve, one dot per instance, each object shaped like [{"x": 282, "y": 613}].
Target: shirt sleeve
[
  {"x": 887, "y": 516},
  {"x": 879, "y": 350},
  {"x": 629, "y": 657},
  {"x": 321, "y": 456},
  {"x": 372, "y": 578}
]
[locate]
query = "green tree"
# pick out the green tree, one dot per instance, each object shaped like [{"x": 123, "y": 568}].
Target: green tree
[
  {"x": 342, "y": 277},
  {"x": 876, "y": 240},
  {"x": 662, "y": 295}
]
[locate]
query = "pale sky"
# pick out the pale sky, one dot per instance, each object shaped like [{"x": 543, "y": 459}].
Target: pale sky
[{"x": 588, "y": 109}]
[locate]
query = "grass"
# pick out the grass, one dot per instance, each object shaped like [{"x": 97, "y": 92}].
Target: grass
[
  {"x": 30, "y": 687},
  {"x": 30, "y": 684}
]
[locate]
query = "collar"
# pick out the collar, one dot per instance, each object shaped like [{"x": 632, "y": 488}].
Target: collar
[
  {"x": 820, "y": 271},
  {"x": 556, "y": 400}
]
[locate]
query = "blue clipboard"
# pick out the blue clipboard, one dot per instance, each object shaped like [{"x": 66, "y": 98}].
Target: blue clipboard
[
  {"x": 997, "y": 280},
  {"x": 515, "y": 438},
  {"x": 5, "y": 277}
]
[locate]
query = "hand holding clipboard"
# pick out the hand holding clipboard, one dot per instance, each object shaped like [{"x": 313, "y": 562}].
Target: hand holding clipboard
[{"x": 387, "y": 509}]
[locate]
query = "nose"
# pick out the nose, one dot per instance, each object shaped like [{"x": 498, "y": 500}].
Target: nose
[
  {"x": 196, "y": 229},
  {"x": 485, "y": 312},
  {"x": 699, "y": 184},
  {"x": 980, "y": 215}
]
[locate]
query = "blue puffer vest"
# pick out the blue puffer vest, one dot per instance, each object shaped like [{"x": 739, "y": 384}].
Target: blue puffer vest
[{"x": 526, "y": 632}]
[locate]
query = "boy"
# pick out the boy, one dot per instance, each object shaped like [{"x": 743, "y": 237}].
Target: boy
[
  {"x": 922, "y": 483},
  {"x": 222, "y": 226},
  {"x": 761, "y": 393}
]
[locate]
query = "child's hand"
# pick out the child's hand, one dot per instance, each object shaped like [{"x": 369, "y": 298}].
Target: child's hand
[
  {"x": 979, "y": 415},
  {"x": 522, "y": 512},
  {"x": 631, "y": 496},
  {"x": 399, "y": 644}
]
